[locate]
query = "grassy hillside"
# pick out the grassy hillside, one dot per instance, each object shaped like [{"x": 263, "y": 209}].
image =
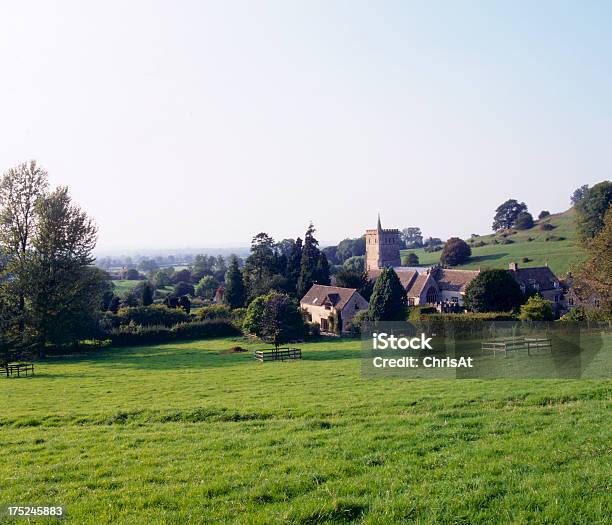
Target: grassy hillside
[
  {"x": 560, "y": 254},
  {"x": 185, "y": 433}
]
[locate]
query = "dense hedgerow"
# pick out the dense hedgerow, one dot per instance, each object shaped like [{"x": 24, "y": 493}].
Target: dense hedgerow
[
  {"x": 133, "y": 334},
  {"x": 153, "y": 315},
  {"x": 458, "y": 325}
]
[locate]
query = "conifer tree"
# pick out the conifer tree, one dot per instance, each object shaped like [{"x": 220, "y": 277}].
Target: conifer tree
[
  {"x": 235, "y": 292},
  {"x": 294, "y": 261},
  {"x": 147, "y": 294},
  {"x": 323, "y": 270},
  {"x": 309, "y": 262},
  {"x": 388, "y": 301}
]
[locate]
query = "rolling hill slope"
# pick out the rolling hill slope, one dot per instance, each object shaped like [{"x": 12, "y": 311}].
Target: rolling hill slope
[{"x": 560, "y": 251}]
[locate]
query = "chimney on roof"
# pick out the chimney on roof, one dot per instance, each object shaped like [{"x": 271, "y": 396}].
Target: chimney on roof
[{"x": 513, "y": 267}]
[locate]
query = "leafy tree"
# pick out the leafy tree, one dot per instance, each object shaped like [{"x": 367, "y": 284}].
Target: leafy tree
[
  {"x": 537, "y": 309},
  {"x": 590, "y": 210},
  {"x": 235, "y": 293},
  {"x": 331, "y": 252},
  {"x": 285, "y": 247},
  {"x": 203, "y": 265},
  {"x": 183, "y": 275},
  {"x": 493, "y": 291},
  {"x": 21, "y": 188},
  {"x": 432, "y": 244},
  {"x": 456, "y": 251},
  {"x": 207, "y": 287},
  {"x": 389, "y": 301},
  {"x": 183, "y": 288},
  {"x": 410, "y": 259},
  {"x": 593, "y": 280},
  {"x": 576, "y": 197},
  {"x": 349, "y": 279},
  {"x": 348, "y": 248},
  {"x": 524, "y": 221},
  {"x": 161, "y": 279},
  {"x": 64, "y": 289},
  {"x": 260, "y": 265},
  {"x": 507, "y": 213},
  {"x": 147, "y": 294},
  {"x": 544, "y": 214},
  {"x": 275, "y": 318},
  {"x": 354, "y": 264},
  {"x": 131, "y": 299},
  {"x": 412, "y": 237},
  {"x": 309, "y": 265},
  {"x": 132, "y": 274},
  {"x": 219, "y": 268}
]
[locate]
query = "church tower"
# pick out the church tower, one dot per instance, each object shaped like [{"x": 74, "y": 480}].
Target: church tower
[{"x": 382, "y": 248}]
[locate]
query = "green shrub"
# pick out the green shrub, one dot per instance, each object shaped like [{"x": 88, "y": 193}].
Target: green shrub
[
  {"x": 133, "y": 334},
  {"x": 356, "y": 323},
  {"x": 537, "y": 309},
  {"x": 153, "y": 315},
  {"x": 215, "y": 311}
]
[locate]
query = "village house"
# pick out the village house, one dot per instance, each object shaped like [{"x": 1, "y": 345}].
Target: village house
[
  {"x": 540, "y": 280},
  {"x": 332, "y": 307}
]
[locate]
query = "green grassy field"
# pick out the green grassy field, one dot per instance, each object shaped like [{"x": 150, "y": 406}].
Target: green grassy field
[
  {"x": 124, "y": 286},
  {"x": 559, "y": 254},
  {"x": 185, "y": 433}
]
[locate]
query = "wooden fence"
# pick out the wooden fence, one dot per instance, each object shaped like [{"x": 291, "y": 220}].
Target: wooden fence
[{"x": 281, "y": 354}]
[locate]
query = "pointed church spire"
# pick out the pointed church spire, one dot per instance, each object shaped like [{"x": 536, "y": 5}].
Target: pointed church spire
[{"x": 379, "y": 227}]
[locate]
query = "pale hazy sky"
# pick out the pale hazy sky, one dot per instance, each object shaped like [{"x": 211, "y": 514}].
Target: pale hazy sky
[{"x": 191, "y": 124}]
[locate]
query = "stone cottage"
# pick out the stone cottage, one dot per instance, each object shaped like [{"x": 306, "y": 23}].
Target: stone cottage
[{"x": 322, "y": 302}]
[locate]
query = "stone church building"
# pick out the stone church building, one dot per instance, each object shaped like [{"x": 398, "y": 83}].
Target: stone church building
[
  {"x": 423, "y": 285},
  {"x": 382, "y": 248}
]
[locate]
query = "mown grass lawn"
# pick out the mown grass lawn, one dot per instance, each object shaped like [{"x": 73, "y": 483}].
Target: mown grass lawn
[{"x": 183, "y": 433}]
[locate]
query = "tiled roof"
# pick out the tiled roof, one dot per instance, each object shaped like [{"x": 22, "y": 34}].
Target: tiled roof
[
  {"x": 405, "y": 278},
  {"x": 334, "y": 295},
  {"x": 541, "y": 276},
  {"x": 417, "y": 286},
  {"x": 454, "y": 280}
]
